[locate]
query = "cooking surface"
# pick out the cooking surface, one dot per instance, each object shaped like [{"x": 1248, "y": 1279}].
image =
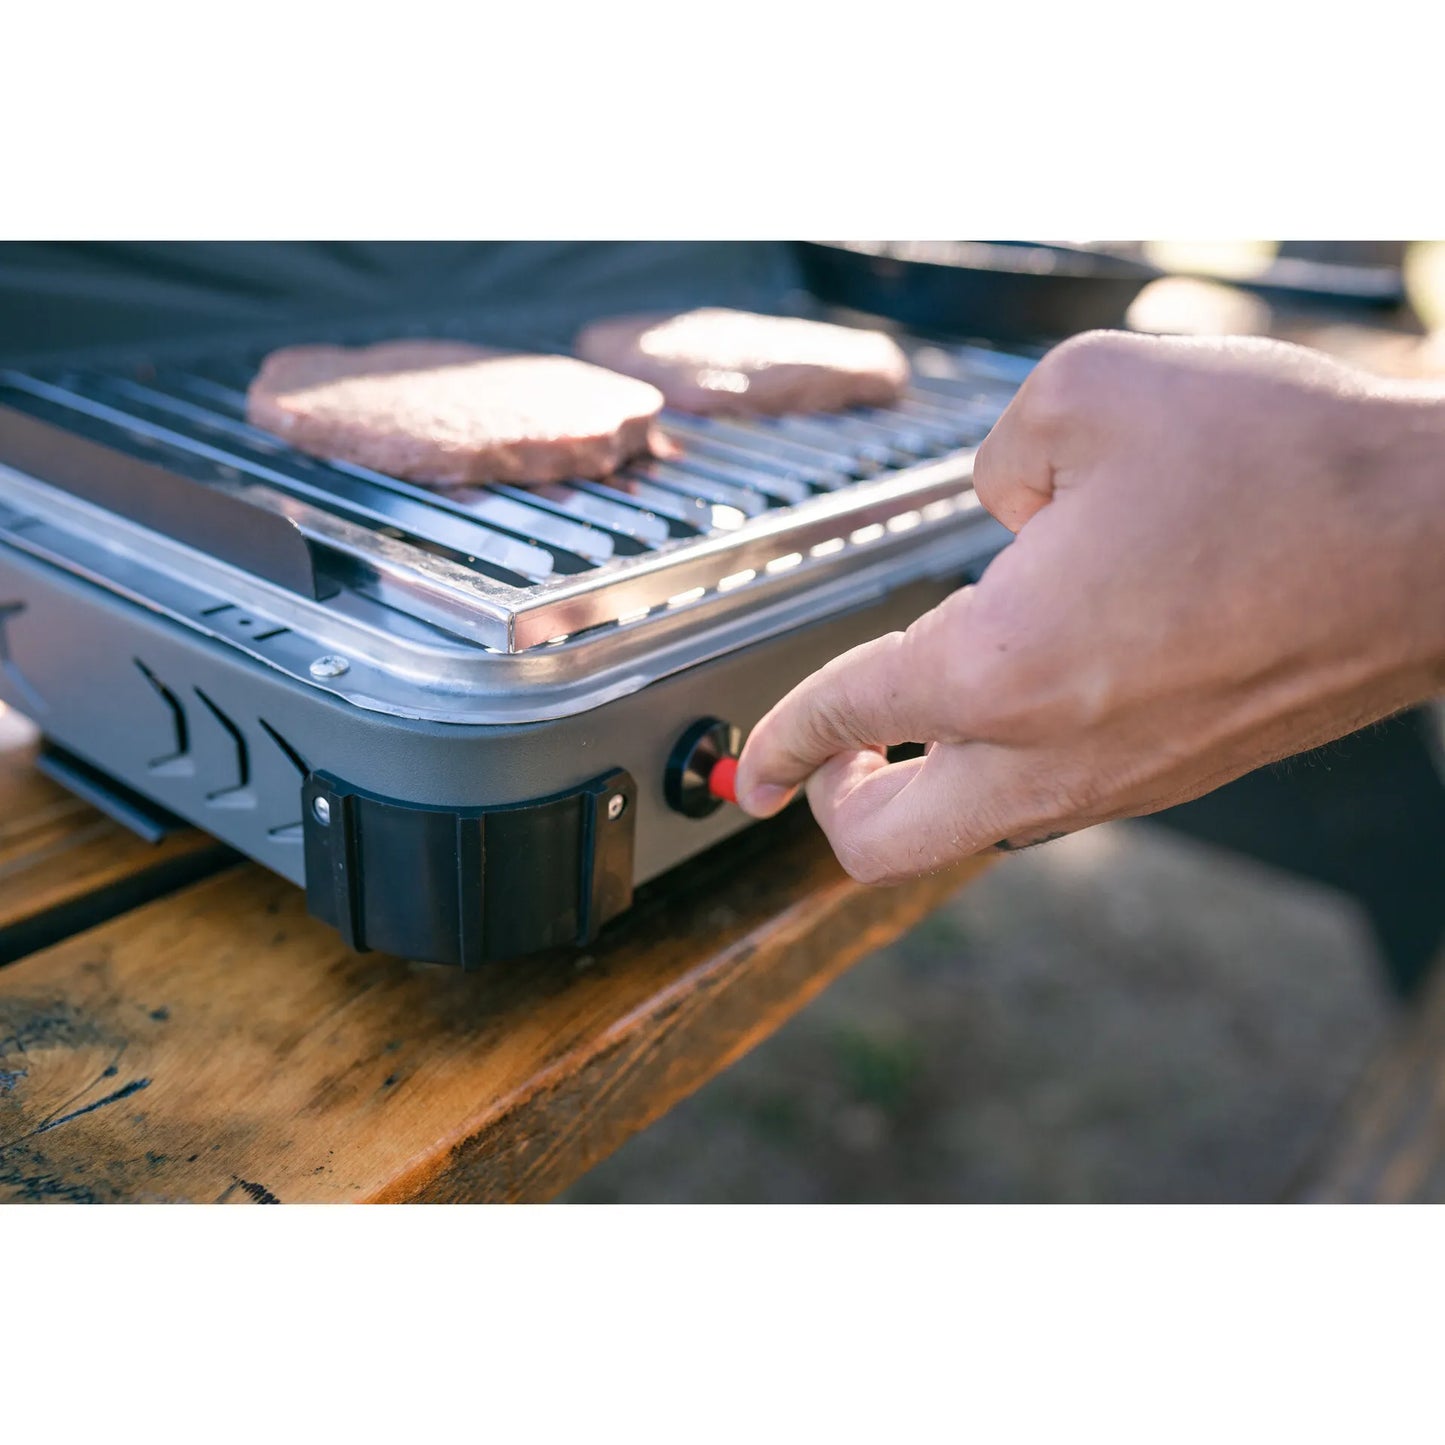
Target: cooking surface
[{"x": 751, "y": 511}]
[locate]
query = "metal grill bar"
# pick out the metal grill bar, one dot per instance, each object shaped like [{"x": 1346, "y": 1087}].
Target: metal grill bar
[
  {"x": 785, "y": 481},
  {"x": 859, "y": 517},
  {"x": 643, "y": 530},
  {"x": 823, "y": 452},
  {"x": 873, "y": 448},
  {"x": 332, "y": 488},
  {"x": 691, "y": 515},
  {"x": 512, "y": 567},
  {"x": 691, "y": 478},
  {"x": 421, "y": 512},
  {"x": 465, "y": 600}
]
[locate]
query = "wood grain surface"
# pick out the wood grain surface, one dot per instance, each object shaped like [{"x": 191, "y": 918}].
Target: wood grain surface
[
  {"x": 1389, "y": 1147},
  {"x": 221, "y": 1045},
  {"x": 63, "y": 866}
]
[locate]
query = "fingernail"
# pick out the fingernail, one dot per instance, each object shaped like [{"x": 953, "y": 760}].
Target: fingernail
[{"x": 765, "y": 799}]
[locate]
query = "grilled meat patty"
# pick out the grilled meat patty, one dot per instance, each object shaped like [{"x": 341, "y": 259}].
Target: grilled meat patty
[
  {"x": 450, "y": 414},
  {"x": 715, "y": 360}
]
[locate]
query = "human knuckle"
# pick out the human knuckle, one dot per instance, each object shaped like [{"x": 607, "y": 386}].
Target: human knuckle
[
  {"x": 831, "y": 720},
  {"x": 920, "y": 655},
  {"x": 990, "y": 676},
  {"x": 864, "y": 863},
  {"x": 868, "y": 855},
  {"x": 978, "y": 678},
  {"x": 869, "y": 694},
  {"x": 1089, "y": 347},
  {"x": 1066, "y": 378},
  {"x": 930, "y": 683}
]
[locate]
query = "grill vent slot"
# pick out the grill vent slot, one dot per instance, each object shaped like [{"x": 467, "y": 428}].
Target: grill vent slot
[
  {"x": 178, "y": 760},
  {"x": 287, "y": 832},
  {"x": 235, "y": 794},
  {"x": 303, "y": 768}
]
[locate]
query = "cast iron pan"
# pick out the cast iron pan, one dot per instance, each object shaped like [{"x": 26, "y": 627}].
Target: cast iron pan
[
  {"x": 1002, "y": 290},
  {"x": 1021, "y": 291}
]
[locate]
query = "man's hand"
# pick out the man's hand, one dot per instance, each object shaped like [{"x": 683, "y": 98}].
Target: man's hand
[{"x": 1227, "y": 552}]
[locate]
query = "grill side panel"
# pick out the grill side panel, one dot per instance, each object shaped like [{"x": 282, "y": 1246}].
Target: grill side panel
[{"x": 225, "y": 743}]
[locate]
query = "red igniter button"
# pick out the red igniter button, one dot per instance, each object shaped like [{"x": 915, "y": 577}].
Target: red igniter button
[
  {"x": 722, "y": 782},
  {"x": 702, "y": 769}
]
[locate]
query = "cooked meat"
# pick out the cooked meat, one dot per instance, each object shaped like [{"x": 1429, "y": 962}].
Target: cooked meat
[
  {"x": 449, "y": 414},
  {"x": 715, "y": 360}
]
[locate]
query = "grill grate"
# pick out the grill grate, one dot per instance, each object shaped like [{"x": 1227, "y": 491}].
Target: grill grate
[{"x": 511, "y": 567}]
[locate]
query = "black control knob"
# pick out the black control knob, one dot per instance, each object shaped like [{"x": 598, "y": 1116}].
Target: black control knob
[{"x": 698, "y": 752}]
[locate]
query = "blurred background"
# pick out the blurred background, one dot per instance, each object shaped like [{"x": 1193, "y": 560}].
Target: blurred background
[
  {"x": 1125, "y": 1014},
  {"x": 1161, "y": 1010}
]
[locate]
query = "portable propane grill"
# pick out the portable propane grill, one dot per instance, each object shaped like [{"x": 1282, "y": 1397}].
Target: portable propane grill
[{"x": 467, "y": 722}]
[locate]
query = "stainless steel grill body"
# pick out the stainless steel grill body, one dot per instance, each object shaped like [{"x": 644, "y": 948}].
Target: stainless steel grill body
[{"x": 212, "y": 620}]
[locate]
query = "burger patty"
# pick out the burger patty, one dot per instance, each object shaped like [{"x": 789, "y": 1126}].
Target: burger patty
[
  {"x": 714, "y": 360},
  {"x": 451, "y": 414}
]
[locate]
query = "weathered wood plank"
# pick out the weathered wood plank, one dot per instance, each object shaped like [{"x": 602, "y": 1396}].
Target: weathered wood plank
[
  {"x": 219, "y": 1044},
  {"x": 64, "y": 866},
  {"x": 1389, "y": 1146}
]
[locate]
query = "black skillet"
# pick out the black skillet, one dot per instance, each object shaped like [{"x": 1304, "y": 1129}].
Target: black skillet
[
  {"x": 1019, "y": 291},
  {"x": 1003, "y": 290}
]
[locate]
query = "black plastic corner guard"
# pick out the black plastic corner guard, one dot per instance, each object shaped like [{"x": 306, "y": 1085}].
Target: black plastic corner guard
[{"x": 468, "y": 886}]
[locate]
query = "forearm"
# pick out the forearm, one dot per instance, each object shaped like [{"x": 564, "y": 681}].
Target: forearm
[{"x": 1407, "y": 535}]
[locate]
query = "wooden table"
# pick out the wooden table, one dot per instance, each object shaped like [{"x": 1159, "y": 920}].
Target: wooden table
[
  {"x": 1389, "y": 1146},
  {"x": 174, "y": 1027}
]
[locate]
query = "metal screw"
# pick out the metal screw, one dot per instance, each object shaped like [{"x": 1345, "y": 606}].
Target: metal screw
[
  {"x": 329, "y": 666},
  {"x": 616, "y": 807},
  {"x": 321, "y": 807}
]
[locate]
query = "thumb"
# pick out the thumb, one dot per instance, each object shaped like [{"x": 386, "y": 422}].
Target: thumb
[{"x": 888, "y": 691}]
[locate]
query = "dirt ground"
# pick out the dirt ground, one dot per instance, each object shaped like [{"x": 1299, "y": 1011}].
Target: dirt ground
[{"x": 1122, "y": 1015}]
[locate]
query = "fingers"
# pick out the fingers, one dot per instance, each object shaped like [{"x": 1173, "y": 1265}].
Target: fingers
[
  {"x": 888, "y": 691},
  {"x": 849, "y": 705},
  {"x": 1063, "y": 400},
  {"x": 1012, "y": 473},
  {"x": 959, "y": 661},
  {"x": 888, "y": 822}
]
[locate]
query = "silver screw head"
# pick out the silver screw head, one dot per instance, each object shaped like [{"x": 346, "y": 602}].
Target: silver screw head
[
  {"x": 321, "y": 808},
  {"x": 330, "y": 666},
  {"x": 616, "y": 807}
]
